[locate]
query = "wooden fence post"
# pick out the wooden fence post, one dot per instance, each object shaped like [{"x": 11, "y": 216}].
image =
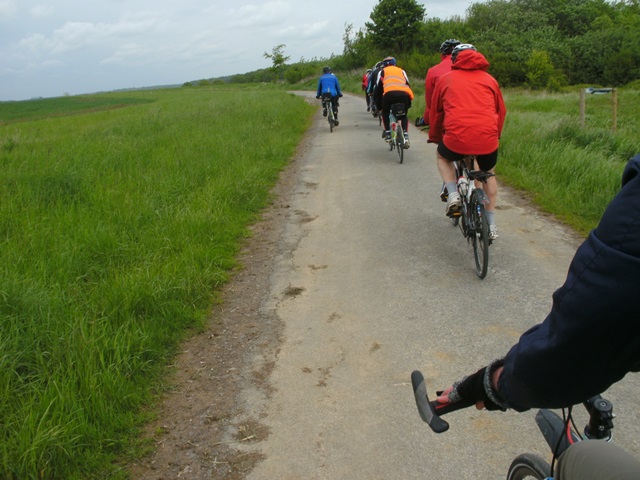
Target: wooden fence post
[
  {"x": 614, "y": 100},
  {"x": 582, "y": 107}
]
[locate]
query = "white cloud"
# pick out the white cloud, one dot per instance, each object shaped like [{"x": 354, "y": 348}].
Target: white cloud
[
  {"x": 83, "y": 46},
  {"x": 42, "y": 10},
  {"x": 268, "y": 14},
  {"x": 8, "y": 9}
]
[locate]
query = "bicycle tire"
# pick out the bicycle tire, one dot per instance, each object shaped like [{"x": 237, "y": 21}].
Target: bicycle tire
[
  {"x": 331, "y": 120},
  {"x": 528, "y": 466},
  {"x": 400, "y": 142},
  {"x": 479, "y": 235}
]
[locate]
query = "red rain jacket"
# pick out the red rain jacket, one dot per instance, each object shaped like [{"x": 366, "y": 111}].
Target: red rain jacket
[
  {"x": 467, "y": 108},
  {"x": 430, "y": 82}
]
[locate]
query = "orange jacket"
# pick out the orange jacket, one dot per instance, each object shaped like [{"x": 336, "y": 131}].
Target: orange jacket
[
  {"x": 467, "y": 109},
  {"x": 394, "y": 79}
]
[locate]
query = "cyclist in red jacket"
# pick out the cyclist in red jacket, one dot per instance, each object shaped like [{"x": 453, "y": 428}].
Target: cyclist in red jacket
[
  {"x": 466, "y": 118},
  {"x": 433, "y": 74},
  {"x": 365, "y": 84}
]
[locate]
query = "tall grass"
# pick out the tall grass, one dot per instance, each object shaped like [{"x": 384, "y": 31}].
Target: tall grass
[
  {"x": 116, "y": 229},
  {"x": 572, "y": 171}
]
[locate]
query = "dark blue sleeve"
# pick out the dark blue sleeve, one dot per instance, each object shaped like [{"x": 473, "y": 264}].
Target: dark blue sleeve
[{"x": 591, "y": 337}]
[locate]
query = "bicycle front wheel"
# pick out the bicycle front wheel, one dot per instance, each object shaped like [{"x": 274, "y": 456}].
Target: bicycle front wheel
[
  {"x": 479, "y": 235},
  {"x": 528, "y": 467},
  {"x": 400, "y": 142}
]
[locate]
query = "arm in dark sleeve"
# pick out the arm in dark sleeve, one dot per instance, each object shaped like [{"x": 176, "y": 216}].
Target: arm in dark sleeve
[{"x": 591, "y": 337}]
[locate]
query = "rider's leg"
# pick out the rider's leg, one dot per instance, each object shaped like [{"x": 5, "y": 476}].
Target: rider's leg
[
  {"x": 597, "y": 459},
  {"x": 491, "y": 189},
  {"x": 386, "y": 108},
  {"x": 447, "y": 172},
  {"x": 488, "y": 163}
]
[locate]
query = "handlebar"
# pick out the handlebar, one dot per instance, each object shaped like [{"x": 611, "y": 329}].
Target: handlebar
[{"x": 430, "y": 411}]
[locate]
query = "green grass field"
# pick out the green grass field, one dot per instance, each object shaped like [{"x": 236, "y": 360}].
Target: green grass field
[
  {"x": 121, "y": 216},
  {"x": 118, "y": 226}
]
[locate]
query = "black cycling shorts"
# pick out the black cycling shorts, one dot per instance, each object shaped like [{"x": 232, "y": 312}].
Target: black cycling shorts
[{"x": 485, "y": 162}]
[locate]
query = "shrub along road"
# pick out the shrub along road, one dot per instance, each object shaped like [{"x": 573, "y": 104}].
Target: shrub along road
[{"x": 353, "y": 279}]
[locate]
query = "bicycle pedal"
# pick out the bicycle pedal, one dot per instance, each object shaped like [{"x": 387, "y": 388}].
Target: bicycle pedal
[{"x": 454, "y": 214}]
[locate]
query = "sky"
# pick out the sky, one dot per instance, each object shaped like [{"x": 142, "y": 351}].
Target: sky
[{"x": 51, "y": 48}]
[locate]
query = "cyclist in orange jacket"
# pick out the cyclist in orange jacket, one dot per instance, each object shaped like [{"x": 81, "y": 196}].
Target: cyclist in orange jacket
[{"x": 393, "y": 87}]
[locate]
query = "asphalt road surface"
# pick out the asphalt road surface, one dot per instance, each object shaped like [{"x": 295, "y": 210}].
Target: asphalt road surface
[{"x": 371, "y": 282}]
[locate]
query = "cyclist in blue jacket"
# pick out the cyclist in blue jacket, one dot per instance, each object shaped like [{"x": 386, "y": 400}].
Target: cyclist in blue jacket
[
  {"x": 328, "y": 83},
  {"x": 589, "y": 340}
]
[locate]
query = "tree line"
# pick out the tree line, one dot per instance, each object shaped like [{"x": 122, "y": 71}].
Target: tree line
[{"x": 544, "y": 44}]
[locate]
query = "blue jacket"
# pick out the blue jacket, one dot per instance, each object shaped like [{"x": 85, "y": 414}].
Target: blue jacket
[
  {"x": 328, "y": 83},
  {"x": 591, "y": 337}
]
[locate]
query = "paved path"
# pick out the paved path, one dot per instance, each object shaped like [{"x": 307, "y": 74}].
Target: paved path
[{"x": 371, "y": 282}]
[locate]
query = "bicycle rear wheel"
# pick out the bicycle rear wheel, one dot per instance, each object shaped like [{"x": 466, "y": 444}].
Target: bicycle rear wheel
[
  {"x": 400, "y": 142},
  {"x": 528, "y": 467},
  {"x": 479, "y": 235},
  {"x": 331, "y": 119}
]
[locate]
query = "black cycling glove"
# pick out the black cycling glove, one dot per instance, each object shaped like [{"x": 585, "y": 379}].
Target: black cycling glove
[{"x": 477, "y": 387}]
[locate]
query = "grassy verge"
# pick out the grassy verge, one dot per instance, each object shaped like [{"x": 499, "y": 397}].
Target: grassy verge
[
  {"x": 117, "y": 226},
  {"x": 570, "y": 170}
]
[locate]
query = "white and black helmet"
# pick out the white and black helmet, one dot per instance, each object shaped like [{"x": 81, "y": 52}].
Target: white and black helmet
[
  {"x": 448, "y": 45},
  {"x": 460, "y": 48}
]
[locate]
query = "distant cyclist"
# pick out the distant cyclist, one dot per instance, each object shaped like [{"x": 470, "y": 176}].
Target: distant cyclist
[
  {"x": 373, "y": 80},
  {"x": 365, "y": 84},
  {"x": 466, "y": 118},
  {"x": 433, "y": 74},
  {"x": 328, "y": 83},
  {"x": 393, "y": 87}
]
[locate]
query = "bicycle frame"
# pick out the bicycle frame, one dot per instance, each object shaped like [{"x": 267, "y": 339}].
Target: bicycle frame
[
  {"x": 396, "y": 115},
  {"x": 472, "y": 218},
  {"x": 327, "y": 105}
]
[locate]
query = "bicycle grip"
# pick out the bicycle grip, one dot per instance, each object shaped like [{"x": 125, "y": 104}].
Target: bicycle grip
[{"x": 430, "y": 411}]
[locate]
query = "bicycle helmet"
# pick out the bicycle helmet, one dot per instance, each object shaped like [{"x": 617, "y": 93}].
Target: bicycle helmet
[
  {"x": 389, "y": 61},
  {"x": 460, "y": 48},
  {"x": 326, "y": 70},
  {"x": 448, "y": 45}
]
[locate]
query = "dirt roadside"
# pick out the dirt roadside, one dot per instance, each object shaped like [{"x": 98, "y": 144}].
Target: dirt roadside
[{"x": 196, "y": 430}]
